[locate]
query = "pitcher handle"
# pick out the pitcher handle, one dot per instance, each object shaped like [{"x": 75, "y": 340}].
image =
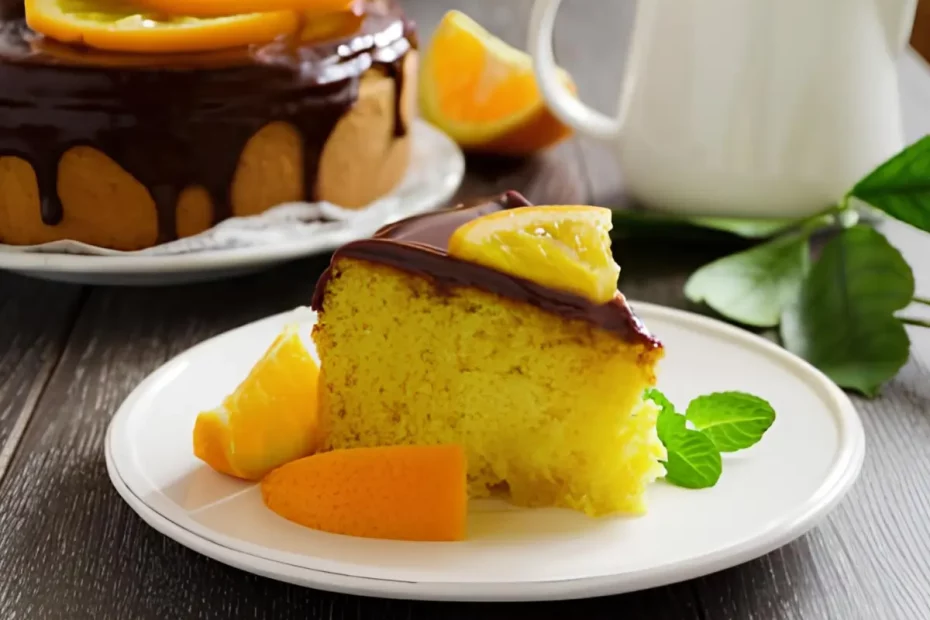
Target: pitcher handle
[{"x": 562, "y": 103}]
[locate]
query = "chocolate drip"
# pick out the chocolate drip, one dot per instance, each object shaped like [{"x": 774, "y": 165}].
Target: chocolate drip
[
  {"x": 419, "y": 245},
  {"x": 397, "y": 73},
  {"x": 182, "y": 120},
  {"x": 49, "y": 203}
]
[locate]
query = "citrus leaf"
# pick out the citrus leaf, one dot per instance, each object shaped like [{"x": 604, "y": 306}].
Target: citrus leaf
[
  {"x": 632, "y": 222},
  {"x": 753, "y": 287},
  {"x": 843, "y": 319},
  {"x": 901, "y": 186},
  {"x": 752, "y": 228},
  {"x": 732, "y": 420},
  {"x": 693, "y": 460}
]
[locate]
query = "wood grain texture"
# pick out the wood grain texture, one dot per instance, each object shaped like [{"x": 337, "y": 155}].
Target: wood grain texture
[
  {"x": 920, "y": 35},
  {"x": 35, "y": 318},
  {"x": 70, "y": 548},
  {"x": 99, "y": 559}
]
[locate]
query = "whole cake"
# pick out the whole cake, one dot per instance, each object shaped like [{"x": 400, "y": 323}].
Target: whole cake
[
  {"x": 126, "y": 150},
  {"x": 542, "y": 386}
]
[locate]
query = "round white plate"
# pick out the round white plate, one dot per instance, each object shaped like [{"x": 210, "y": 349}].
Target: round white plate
[
  {"x": 418, "y": 192},
  {"x": 767, "y": 496}
]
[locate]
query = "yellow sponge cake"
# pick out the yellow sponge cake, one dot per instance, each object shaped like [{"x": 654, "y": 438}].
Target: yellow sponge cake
[{"x": 542, "y": 387}]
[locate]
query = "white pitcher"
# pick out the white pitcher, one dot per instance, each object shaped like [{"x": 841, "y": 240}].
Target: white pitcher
[{"x": 753, "y": 108}]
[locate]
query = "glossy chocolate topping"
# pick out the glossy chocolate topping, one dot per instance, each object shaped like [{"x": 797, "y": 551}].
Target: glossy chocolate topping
[
  {"x": 179, "y": 120},
  {"x": 419, "y": 245}
]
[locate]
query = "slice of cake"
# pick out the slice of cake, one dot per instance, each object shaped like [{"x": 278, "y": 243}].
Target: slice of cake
[{"x": 543, "y": 386}]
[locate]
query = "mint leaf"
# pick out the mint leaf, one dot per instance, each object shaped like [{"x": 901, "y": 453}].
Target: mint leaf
[
  {"x": 901, "y": 186},
  {"x": 669, "y": 423},
  {"x": 843, "y": 320},
  {"x": 693, "y": 460},
  {"x": 732, "y": 420},
  {"x": 753, "y": 287}
]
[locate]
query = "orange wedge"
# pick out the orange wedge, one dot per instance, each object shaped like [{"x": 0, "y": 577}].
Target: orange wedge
[
  {"x": 562, "y": 247},
  {"x": 218, "y": 8},
  {"x": 398, "y": 493},
  {"x": 483, "y": 93},
  {"x": 119, "y": 25},
  {"x": 269, "y": 420}
]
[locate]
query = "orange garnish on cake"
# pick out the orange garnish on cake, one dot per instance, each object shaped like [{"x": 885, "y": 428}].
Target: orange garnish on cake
[
  {"x": 562, "y": 247},
  {"x": 482, "y": 92},
  {"x": 218, "y": 8},
  {"x": 398, "y": 493},
  {"x": 121, "y": 25},
  {"x": 269, "y": 420}
]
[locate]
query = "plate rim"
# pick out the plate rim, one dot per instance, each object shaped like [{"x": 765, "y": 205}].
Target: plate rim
[
  {"x": 129, "y": 264},
  {"x": 835, "y": 485}
]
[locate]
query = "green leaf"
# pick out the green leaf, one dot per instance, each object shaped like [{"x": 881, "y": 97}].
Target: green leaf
[
  {"x": 901, "y": 186},
  {"x": 631, "y": 222},
  {"x": 753, "y": 287},
  {"x": 693, "y": 460},
  {"x": 753, "y": 228},
  {"x": 670, "y": 422},
  {"x": 732, "y": 420},
  {"x": 843, "y": 320}
]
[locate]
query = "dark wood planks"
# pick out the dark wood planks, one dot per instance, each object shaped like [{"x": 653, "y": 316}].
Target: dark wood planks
[
  {"x": 99, "y": 559},
  {"x": 35, "y": 319},
  {"x": 70, "y": 548}
]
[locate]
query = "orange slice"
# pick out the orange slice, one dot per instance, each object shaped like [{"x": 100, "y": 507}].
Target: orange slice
[
  {"x": 119, "y": 25},
  {"x": 218, "y": 8},
  {"x": 269, "y": 420},
  {"x": 483, "y": 93},
  {"x": 398, "y": 493},
  {"x": 562, "y": 247}
]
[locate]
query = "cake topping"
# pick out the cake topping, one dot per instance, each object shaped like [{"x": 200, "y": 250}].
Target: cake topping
[
  {"x": 562, "y": 247},
  {"x": 120, "y": 26},
  {"x": 420, "y": 245},
  {"x": 219, "y": 8}
]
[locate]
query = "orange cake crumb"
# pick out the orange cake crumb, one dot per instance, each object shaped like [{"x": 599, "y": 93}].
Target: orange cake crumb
[{"x": 399, "y": 493}]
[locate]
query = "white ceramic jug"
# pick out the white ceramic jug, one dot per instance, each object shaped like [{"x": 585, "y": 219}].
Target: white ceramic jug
[{"x": 748, "y": 108}]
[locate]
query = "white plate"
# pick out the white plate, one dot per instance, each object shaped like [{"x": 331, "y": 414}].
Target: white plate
[
  {"x": 419, "y": 193},
  {"x": 766, "y": 497}
]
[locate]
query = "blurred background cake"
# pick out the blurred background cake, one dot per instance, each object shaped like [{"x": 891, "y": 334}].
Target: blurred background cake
[{"x": 127, "y": 148}]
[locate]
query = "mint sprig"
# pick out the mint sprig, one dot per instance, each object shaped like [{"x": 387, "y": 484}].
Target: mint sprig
[
  {"x": 839, "y": 313},
  {"x": 722, "y": 421}
]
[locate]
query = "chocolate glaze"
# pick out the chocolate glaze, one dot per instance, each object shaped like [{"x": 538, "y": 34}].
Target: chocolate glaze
[
  {"x": 179, "y": 120},
  {"x": 419, "y": 245}
]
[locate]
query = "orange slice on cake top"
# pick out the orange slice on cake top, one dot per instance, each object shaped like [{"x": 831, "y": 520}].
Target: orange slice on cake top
[{"x": 120, "y": 25}]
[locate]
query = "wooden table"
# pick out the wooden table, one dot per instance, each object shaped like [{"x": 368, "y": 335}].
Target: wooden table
[{"x": 70, "y": 548}]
